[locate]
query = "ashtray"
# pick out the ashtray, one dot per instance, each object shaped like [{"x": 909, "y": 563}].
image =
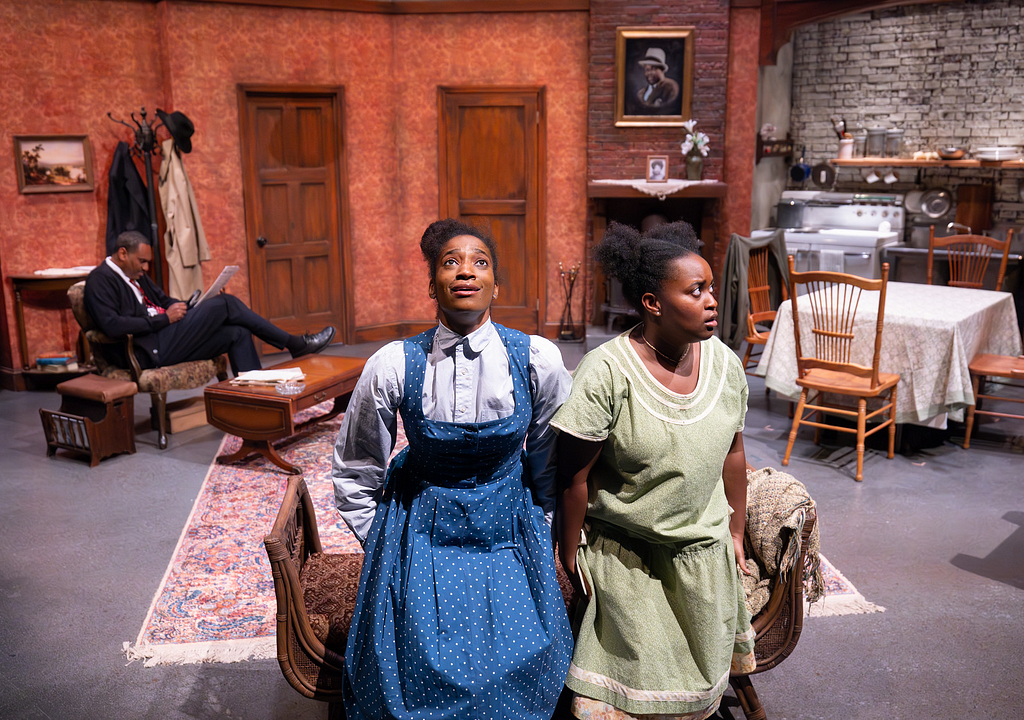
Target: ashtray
[{"x": 290, "y": 388}]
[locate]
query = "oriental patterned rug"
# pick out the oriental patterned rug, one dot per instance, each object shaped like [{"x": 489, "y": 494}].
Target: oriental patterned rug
[{"x": 216, "y": 600}]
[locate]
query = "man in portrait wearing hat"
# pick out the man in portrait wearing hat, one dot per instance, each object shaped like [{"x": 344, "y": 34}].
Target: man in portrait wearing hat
[{"x": 660, "y": 92}]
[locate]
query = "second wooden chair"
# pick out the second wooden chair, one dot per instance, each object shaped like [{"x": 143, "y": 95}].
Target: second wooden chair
[
  {"x": 969, "y": 256},
  {"x": 760, "y": 309},
  {"x": 833, "y": 299}
]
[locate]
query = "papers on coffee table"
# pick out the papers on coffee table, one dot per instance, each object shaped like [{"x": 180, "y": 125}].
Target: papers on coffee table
[{"x": 269, "y": 377}]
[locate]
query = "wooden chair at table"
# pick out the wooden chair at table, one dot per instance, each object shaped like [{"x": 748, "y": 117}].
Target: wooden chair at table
[
  {"x": 834, "y": 298},
  {"x": 760, "y": 308},
  {"x": 985, "y": 366},
  {"x": 969, "y": 256}
]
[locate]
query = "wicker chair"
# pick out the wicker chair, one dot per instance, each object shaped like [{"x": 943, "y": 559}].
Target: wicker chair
[
  {"x": 155, "y": 381},
  {"x": 316, "y": 595},
  {"x": 777, "y": 628}
]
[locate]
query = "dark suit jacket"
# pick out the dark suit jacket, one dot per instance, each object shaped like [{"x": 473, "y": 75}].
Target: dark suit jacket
[
  {"x": 667, "y": 91},
  {"x": 127, "y": 201},
  {"x": 117, "y": 312}
]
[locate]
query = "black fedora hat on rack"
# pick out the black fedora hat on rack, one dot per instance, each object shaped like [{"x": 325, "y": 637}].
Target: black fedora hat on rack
[{"x": 180, "y": 128}]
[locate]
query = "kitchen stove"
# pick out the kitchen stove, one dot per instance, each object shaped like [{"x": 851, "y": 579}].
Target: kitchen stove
[{"x": 843, "y": 232}]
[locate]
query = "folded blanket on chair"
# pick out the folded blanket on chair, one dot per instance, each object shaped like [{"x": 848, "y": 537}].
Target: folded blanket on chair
[{"x": 777, "y": 506}]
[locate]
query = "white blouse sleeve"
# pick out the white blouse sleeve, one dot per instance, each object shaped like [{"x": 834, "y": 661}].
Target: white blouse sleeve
[
  {"x": 367, "y": 438},
  {"x": 550, "y": 383}
]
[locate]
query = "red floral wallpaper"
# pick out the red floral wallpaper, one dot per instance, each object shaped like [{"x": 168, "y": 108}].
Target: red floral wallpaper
[
  {"x": 66, "y": 63},
  {"x": 94, "y": 56},
  {"x": 542, "y": 49}
]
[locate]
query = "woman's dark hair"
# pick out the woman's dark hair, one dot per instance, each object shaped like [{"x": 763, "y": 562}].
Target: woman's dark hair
[
  {"x": 440, "y": 232},
  {"x": 640, "y": 262}
]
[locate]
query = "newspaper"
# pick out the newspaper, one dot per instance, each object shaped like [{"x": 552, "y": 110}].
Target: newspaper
[
  {"x": 226, "y": 274},
  {"x": 269, "y": 377}
]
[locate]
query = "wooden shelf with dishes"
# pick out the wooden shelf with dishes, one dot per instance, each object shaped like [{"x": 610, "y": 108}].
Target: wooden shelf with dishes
[{"x": 907, "y": 162}]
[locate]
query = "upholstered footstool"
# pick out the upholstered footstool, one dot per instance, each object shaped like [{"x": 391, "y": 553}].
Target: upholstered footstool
[{"x": 96, "y": 418}]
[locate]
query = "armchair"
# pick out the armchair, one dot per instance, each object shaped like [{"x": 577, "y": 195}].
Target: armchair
[{"x": 155, "y": 381}]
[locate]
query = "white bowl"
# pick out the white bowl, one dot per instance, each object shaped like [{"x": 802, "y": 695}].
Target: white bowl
[{"x": 1001, "y": 152}]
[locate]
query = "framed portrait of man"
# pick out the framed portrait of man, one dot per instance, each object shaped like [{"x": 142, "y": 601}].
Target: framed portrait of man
[{"x": 653, "y": 75}]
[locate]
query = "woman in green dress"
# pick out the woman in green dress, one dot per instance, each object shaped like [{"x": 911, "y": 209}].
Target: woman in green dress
[{"x": 652, "y": 471}]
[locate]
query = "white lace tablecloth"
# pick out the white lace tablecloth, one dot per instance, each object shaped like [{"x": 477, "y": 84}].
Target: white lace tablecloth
[{"x": 930, "y": 333}]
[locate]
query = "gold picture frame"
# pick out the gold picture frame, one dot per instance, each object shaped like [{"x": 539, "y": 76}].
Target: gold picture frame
[
  {"x": 657, "y": 168},
  {"x": 53, "y": 163},
  {"x": 653, "y": 76}
]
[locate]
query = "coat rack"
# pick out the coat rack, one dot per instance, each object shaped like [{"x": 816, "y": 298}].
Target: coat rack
[{"x": 145, "y": 146}]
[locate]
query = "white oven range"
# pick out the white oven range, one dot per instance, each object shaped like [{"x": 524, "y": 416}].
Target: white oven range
[{"x": 843, "y": 232}]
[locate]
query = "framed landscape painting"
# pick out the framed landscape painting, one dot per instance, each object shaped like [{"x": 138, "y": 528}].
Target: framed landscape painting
[
  {"x": 53, "y": 163},
  {"x": 653, "y": 75}
]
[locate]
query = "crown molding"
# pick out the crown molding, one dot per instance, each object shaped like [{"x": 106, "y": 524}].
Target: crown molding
[{"x": 417, "y": 7}]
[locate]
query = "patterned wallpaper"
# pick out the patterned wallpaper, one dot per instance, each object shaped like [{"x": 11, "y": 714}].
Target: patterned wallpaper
[{"x": 191, "y": 57}]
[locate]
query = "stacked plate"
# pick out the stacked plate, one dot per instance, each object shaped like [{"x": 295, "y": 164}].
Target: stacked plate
[{"x": 998, "y": 153}]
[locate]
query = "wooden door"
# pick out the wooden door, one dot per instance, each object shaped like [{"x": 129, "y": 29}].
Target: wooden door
[
  {"x": 293, "y": 170},
  {"x": 491, "y": 157}
]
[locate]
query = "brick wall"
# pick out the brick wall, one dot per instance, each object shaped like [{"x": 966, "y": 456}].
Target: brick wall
[
  {"x": 620, "y": 153},
  {"x": 946, "y": 73}
]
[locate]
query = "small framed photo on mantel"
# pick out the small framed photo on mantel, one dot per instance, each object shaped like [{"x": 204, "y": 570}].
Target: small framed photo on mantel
[
  {"x": 653, "y": 76},
  {"x": 657, "y": 168},
  {"x": 53, "y": 163}
]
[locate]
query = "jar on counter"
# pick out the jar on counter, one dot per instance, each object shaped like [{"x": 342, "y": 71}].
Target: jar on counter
[
  {"x": 894, "y": 142},
  {"x": 875, "y": 142},
  {"x": 860, "y": 141}
]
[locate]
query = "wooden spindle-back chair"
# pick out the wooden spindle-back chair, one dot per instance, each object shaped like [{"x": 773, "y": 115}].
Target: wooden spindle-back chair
[
  {"x": 969, "y": 256},
  {"x": 760, "y": 308},
  {"x": 833, "y": 300},
  {"x": 1006, "y": 367}
]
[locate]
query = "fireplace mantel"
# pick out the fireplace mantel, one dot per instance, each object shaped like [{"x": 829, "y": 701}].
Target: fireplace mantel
[{"x": 697, "y": 190}]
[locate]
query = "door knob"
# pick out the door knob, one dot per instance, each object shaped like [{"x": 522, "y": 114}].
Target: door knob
[{"x": 261, "y": 241}]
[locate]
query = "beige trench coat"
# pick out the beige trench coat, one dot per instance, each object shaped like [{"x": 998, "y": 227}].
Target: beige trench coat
[{"x": 184, "y": 240}]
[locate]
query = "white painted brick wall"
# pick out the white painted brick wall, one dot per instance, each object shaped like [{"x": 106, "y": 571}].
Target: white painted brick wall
[{"x": 945, "y": 72}]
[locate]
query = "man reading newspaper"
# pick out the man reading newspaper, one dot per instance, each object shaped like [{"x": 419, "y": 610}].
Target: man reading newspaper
[{"x": 122, "y": 300}]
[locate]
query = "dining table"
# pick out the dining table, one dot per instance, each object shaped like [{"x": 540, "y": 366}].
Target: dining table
[{"x": 929, "y": 335}]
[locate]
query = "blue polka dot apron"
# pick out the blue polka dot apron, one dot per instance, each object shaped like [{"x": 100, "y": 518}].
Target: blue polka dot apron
[{"x": 459, "y": 614}]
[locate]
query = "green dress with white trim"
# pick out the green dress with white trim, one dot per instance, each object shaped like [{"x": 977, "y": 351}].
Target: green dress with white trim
[{"x": 667, "y": 612}]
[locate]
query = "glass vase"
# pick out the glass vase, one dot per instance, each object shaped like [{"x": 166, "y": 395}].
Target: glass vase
[{"x": 694, "y": 167}]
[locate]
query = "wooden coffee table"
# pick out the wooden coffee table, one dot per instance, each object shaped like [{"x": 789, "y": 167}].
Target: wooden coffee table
[{"x": 261, "y": 415}]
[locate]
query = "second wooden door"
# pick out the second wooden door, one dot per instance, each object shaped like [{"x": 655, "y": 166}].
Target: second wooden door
[{"x": 491, "y": 151}]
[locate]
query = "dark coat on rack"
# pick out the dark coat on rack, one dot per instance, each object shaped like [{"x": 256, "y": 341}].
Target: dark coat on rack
[
  {"x": 734, "y": 301},
  {"x": 127, "y": 203}
]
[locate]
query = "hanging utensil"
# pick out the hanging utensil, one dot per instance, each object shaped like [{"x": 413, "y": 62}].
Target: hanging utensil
[
  {"x": 936, "y": 202},
  {"x": 839, "y": 125}
]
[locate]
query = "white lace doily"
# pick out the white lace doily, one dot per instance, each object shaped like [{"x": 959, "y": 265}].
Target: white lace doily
[{"x": 660, "y": 190}]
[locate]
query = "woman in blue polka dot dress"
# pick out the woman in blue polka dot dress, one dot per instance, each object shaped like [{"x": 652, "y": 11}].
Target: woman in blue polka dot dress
[{"x": 459, "y": 613}]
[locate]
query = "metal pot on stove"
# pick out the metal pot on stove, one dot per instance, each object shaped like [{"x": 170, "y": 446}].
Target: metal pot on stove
[{"x": 789, "y": 213}]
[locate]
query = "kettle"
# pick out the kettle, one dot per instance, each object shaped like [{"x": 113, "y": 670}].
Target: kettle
[{"x": 789, "y": 213}]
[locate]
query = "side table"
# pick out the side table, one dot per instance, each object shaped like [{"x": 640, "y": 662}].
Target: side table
[
  {"x": 261, "y": 415},
  {"x": 42, "y": 284}
]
